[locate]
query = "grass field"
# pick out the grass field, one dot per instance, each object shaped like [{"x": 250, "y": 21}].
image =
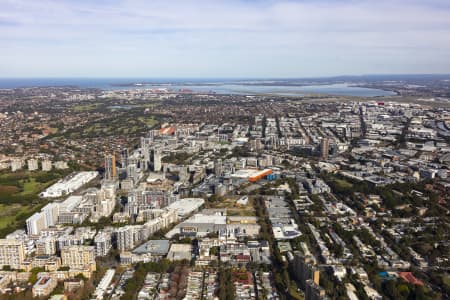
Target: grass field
[
  {"x": 86, "y": 107},
  {"x": 25, "y": 184},
  {"x": 19, "y": 196},
  {"x": 233, "y": 209},
  {"x": 446, "y": 281},
  {"x": 150, "y": 121},
  {"x": 13, "y": 216},
  {"x": 9, "y": 213},
  {"x": 128, "y": 125},
  {"x": 343, "y": 184},
  {"x": 31, "y": 187}
]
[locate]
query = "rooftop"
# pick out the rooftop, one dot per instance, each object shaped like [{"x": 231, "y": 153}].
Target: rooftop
[{"x": 157, "y": 247}]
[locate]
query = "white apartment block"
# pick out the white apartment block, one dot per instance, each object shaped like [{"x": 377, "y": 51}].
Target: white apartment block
[
  {"x": 102, "y": 243},
  {"x": 32, "y": 164},
  {"x": 47, "y": 165}
]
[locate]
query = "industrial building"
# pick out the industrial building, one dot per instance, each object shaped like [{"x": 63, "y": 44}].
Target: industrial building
[
  {"x": 69, "y": 184},
  {"x": 186, "y": 206}
]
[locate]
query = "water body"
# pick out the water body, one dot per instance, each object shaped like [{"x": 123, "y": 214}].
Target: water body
[
  {"x": 200, "y": 85},
  {"x": 127, "y": 107},
  {"x": 340, "y": 89}
]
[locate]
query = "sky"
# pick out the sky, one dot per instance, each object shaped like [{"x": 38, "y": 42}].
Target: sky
[{"x": 223, "y": 39}]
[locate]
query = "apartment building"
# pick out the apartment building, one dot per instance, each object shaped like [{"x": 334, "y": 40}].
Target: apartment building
[{"x": 11, "y": 253}]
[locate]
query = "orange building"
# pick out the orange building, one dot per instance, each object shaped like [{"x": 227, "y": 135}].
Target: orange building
[
  {"x": 260, "y": 175},
  {"x": 167, "y": 130}
]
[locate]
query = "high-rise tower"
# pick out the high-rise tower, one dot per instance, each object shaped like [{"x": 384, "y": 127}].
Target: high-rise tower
[
  {"x": 324, "y": 148},
  {"x": 110, "y": 167},
  {"x": 157, "y": 160},
  {"x": 124, "y": 157}
]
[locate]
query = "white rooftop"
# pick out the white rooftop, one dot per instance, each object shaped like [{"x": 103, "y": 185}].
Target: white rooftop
[
  {"x": 186, "y": 206},
  {"x": 69, "y": 184}
]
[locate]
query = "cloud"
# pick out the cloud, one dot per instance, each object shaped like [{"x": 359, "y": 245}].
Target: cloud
[{"x": 223, "y": 38}]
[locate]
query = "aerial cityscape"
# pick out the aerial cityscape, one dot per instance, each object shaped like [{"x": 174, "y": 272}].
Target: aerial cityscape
[{"x": 240, "y": 171}]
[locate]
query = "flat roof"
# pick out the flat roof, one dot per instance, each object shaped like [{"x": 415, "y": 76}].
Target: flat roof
[
  {"x": 158, "y": 247},
  {"x": 208, "y": 219},
  {"x": 245, "y": 173},
  {"x": 186, "y": 205},
  {"x": 69, "y": 184}
]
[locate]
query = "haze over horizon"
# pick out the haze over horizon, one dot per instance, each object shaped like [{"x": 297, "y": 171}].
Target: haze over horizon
[{"x": 223, "y": 39}]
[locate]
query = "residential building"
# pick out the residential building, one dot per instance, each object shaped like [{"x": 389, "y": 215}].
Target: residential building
[
  {"x": 46, "y": 246},
  {"x": 36, "y": 223},
  {"x": 47, "y": 165},
  {"x": 44, "y": 286},
  {"x": 79, "y": 257},
  {"x": 110, "y": 167},
  {"x": 314, "y": 291},
  {"x": 32, "y": 164},
  {"x": 11, "y": 253},
  {"x": 324, "y": 148},
  {"x": 102, "y": 243},
  {"x": 16, "y": 164}
]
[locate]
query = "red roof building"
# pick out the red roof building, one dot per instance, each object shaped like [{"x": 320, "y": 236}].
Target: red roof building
[
  {"x": 167, "y": 130},
  {"x": 410, "y": 278}
]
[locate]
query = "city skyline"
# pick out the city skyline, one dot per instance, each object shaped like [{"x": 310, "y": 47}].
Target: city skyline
[
  {"x": 225, "y": 149},
  {"x": 223, "y": 39}
]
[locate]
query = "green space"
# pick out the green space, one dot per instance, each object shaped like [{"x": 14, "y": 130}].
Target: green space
[
  {"x": 233, "y": 209},
  {"x": 343, "y": 184},
  {"x": 241, "y": 212},
  {"x": 23, "y": 187},
  {"x": 31, "y": 186},
  {"x": 10, "y": 213},
  {"x": 19, "y": 196},
  {"x": 119, "y": 123},
  {"x": 133, "y": 285},
  {"x": 279, "y": 266},
  {"x": 226, "y": 289},
  {"x": 85, "y": 107},
  {"x": 176, "y": 158},
  {"x": 149, "y": 121}
]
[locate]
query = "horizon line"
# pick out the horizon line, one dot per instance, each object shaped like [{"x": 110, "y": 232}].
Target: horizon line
[{"x": 226, "y": 77}]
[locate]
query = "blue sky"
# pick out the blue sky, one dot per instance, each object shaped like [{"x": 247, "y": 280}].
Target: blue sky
[{"x": 230, "y": 38}]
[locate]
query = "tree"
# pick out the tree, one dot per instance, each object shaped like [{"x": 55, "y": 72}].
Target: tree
[
  {"x": 390, "y": 289},
  {"x": 226, "y": 284},
  {"x": 403, "y": 290}
]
